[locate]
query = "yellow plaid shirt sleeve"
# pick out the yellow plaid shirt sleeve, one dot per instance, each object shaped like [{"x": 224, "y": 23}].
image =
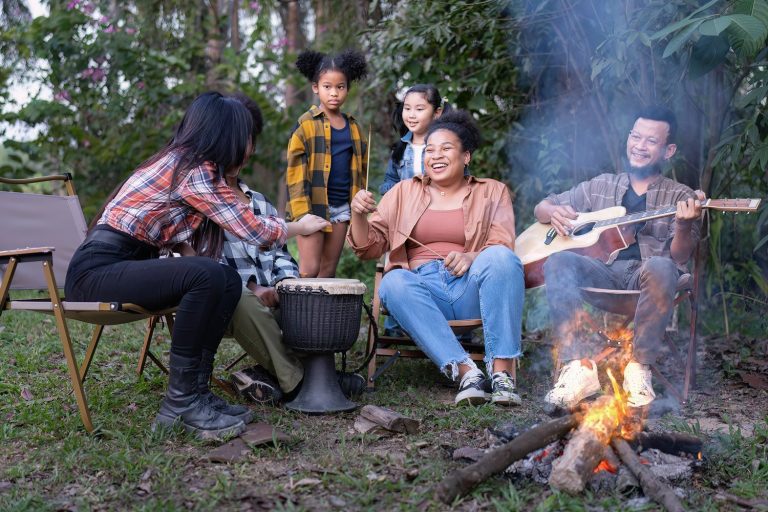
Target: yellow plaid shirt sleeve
[{"x": 309, "y": 164}]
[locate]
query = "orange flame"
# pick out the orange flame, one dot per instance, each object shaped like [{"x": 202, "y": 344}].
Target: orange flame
[
  {"x": 698, "y": 455},
  {"x": 606, "y": 466}
]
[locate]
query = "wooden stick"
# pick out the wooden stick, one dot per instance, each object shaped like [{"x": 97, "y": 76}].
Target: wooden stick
[
  {"x": 463, "y": 480},
  {"x": 420, "y": 244},
  {"x": 368, "y": 159},
  {"x": 654, "y": 488}
]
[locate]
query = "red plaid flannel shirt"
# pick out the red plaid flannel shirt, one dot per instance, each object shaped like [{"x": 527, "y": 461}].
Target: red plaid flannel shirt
[{"x": 144, "y": 209}]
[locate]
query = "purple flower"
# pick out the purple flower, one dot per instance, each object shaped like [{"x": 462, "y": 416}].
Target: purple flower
[
  {"x": 95, "y": 74},
  {"x": 130, "y": 31},
  {"x": 89, "y": 8},
  {"x": 283, "y": 41},
  {"x": 104, "y": 20},
  {"x": 140, "y": 85},
  {"x": 72, "y": 4},
  {"x": 256, "y": 6},
  {"x": 110, "y": 30},
  {"x": 62, "y": 96}
]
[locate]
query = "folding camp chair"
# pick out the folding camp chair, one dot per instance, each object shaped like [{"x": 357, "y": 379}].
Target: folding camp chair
[
  {"x": 624, "y": 304},
  {"x": 39, "y": 234},
  {"x": 395, "y": 347}
]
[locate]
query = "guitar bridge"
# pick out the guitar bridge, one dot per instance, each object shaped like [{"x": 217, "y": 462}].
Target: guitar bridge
[{"x": 551, "y": 234}]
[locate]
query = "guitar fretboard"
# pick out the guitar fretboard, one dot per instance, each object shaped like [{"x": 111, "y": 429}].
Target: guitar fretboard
[
  {"x": 638, "y": 217},
  {"x": 734, "y": 205}
]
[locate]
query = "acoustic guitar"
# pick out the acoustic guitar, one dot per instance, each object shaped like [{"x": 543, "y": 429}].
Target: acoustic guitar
[{"x": 600, "y": 234}]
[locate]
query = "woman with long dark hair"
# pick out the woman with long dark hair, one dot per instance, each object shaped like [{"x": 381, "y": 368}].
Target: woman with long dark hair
[{"x": 159, "y": 207}]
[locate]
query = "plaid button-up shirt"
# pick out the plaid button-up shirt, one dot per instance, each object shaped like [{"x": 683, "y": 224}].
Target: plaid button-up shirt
[
  {"x": 309, "y": 164},
  {"x": 266, "y": 267},
  {"x": 608, "y": 190},
  {"x": 144, "y": 209}
]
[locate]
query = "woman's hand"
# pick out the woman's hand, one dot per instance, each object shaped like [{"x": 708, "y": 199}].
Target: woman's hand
[
  {"x": 459, "y": 262},
  {"x": 184, "y": 249},
  {"x": 306, "y": 225},
  {"x": 363, "y": 203}
]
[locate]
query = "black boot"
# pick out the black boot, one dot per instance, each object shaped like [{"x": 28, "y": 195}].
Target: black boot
[
  {"x": 216, "y": 402},
  {"x": 183, "y": 404}
]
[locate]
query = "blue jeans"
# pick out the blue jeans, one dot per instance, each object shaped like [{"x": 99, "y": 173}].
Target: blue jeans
[{"x": 423, "y": 300}]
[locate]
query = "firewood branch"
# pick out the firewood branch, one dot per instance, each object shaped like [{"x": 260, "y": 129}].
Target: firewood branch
[
  {"x": 654, "y": 488},
  {"x": 463, "y": 480}
]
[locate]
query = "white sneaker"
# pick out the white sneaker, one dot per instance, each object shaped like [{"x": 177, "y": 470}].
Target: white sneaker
[
  {"x": 637, "y": 384},
  {"x": 472, "y": 389},
  {"x": 574, "y": 384}
]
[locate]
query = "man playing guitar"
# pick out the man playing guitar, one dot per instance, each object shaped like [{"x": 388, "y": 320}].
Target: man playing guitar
[{"x": 651, "y": 264}]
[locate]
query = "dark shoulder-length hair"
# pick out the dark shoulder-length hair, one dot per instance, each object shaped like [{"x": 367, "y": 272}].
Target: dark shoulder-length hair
[{"x": 215, "y": 128}]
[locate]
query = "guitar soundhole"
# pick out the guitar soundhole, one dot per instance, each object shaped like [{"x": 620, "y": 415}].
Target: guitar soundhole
[{"x": 583, "y": 229}]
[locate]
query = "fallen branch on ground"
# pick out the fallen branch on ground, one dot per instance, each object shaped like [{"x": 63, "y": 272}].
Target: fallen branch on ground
[
  {"x": 652, "y": 487},
  {"x": 463, "y": 480}
]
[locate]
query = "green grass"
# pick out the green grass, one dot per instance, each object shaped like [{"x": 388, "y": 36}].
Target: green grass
[{"x": 51, "y": 463}]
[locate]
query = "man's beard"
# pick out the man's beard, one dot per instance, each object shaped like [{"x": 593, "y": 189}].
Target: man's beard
[{"x": 643, "y": 171}]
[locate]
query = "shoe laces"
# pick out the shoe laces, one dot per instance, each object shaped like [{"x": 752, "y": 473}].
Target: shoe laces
[
  {"x": 503, "y": 381},
  {"x": 472, "y": 378}
]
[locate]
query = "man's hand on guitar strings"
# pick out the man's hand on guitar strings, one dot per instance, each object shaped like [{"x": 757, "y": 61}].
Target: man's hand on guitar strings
[{"x": 560, "y": 218}]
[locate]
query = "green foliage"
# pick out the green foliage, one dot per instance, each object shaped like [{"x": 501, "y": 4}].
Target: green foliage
[{"x": 465, "y": 54}]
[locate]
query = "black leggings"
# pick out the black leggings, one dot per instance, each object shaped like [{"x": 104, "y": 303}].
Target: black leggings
[{"x": 122, "y": 269}]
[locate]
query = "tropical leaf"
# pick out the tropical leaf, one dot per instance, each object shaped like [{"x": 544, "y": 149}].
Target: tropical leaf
[
  {"x": 756, "y": 8},
  {"x": 681, "y": 38},
  {"x": 708, "y": 52},
  {"x": 715, "y": 26},
  {"x": 674, "y": 27}
]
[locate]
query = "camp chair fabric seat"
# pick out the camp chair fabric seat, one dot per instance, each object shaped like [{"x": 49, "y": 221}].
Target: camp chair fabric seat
[
  {"x": 624, "y": 302},
  {"x": 36, "y": 246}
]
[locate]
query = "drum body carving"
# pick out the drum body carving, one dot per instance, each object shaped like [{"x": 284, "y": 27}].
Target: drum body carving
[{"x": 320, "y": 317}]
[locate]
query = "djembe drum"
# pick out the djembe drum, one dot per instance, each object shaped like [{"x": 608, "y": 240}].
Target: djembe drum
[{"x": 319, "y": 318}]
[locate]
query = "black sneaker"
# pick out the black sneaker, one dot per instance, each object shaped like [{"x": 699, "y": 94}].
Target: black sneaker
[
  {"x": 472, "y": 390},
  {"x": 352, "y": 384},
  {"x": 256, "y": 384},
  {"x": 503, "y": 389}
]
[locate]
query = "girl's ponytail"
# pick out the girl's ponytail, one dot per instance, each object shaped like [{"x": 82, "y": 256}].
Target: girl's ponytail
[{"x": 308, "y": 63}]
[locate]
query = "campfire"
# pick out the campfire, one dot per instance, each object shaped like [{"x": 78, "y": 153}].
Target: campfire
[{"x": 600, "y": 446}]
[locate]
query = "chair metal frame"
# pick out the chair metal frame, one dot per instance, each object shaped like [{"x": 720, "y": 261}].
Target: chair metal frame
[{"x": 100, "y": 314}]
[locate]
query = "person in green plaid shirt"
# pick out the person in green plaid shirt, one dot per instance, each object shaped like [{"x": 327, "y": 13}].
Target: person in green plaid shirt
[{"x": 255, "y": 323}]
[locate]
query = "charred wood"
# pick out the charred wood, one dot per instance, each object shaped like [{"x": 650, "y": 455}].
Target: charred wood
[
  {"x": 585, "y": 449},
  {"x": 652, "y": 487},
  {"x": 667, "y": 442},
  {"x": 463, "y": 480}
]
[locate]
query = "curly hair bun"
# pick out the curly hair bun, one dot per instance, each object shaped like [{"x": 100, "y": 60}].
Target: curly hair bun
[
  {"x": 462, "y": 124},
  {"x": 352, "y": 64},
  {"x": 308, "y": 63}
]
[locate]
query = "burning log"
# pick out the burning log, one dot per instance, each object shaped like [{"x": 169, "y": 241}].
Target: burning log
[
  {"x": 652, "y": 486},
  {"x": 463, "y": 480},
  {"x": 586, "y": 448}
]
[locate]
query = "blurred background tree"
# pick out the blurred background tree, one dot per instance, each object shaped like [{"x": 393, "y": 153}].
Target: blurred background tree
[{"x": 552, "y": 83}]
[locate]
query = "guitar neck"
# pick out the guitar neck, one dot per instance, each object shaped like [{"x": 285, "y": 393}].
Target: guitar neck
[
  {"x": 735, "y": 205},
  {"x": 638, "y": 217}
]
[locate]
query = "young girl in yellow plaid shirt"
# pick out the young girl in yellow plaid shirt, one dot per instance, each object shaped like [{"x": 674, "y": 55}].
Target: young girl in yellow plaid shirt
[{"x": 326, "y": 159}]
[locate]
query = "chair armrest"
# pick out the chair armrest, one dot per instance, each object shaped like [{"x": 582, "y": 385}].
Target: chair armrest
[{"x": 27, "y": 251}]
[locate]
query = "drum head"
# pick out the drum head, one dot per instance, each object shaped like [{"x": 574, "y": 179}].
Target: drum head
[{"x": 331, "y": 286}]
